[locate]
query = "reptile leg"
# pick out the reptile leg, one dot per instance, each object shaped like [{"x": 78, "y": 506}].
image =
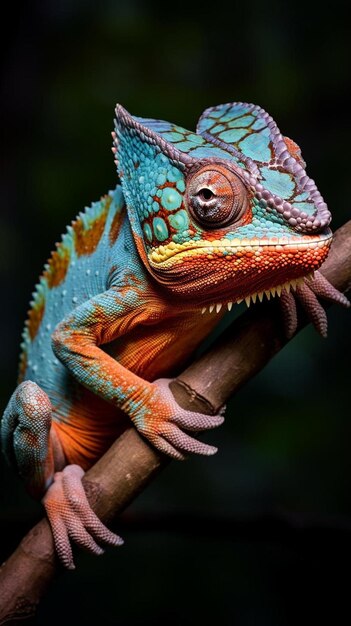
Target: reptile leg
[
  {"x": 25, "y": 436},
  {"x": 31, "y": 445}
]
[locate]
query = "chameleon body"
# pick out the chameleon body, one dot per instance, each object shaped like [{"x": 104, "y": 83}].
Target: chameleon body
[{"x": 201, "y": 220}]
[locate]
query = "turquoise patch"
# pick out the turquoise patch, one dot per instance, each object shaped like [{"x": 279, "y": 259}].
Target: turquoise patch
[
  {"x": 147, "y": 232},
  {"x": 183, "y": 138},
  {"x": 237, "y": 110},
  {"x": 179, "y": 220},
  {"x": 301, "y": 196},
  {"x": 218, "y": 113},
  {"x": 234, "y": 135},
  {"x": 160, "y": 228},
  {"x": 256, "y": 146},
  {"x": 173, "y": 137},
  {"x": 197, "y": 139},
  {"x": 241, "y": 122},
  {"x": 174, "y": 174},
  {"x": 161, "y": 179},
  {"x": 259, "y": 124},
  {"x": 278, "y": 183},
  {"x": 210, "y": 151},
  {"x": 157, "y": 126},
  {"x": 307, "y": 207},
  {"x": 206, "y": 123},
  {"x": 218, "y": 128},
  {"x": 184, "y": 146},
  {"x": 171, "y": 198}
]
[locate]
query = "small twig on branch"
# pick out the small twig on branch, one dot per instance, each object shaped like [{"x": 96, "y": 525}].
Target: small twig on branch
[{"x": 130, "y": 464}]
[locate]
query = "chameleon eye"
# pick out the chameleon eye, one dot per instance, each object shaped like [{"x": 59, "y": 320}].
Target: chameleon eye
[{"x": 215, "y": 196}]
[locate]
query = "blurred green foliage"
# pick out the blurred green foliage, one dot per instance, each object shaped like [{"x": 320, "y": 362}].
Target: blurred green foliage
[{"x": 284, "y": 449}]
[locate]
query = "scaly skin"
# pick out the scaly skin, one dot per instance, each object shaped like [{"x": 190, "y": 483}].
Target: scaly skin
[{"x": 201, "y": 220}]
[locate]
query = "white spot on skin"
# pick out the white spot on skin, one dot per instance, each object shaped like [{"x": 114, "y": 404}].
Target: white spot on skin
[
  {"x": 74, "y": 299},
  {"x": 88, "y": 272}
]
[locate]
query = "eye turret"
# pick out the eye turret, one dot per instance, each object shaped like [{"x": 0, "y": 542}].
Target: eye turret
[{"x": 215, "y": 195}]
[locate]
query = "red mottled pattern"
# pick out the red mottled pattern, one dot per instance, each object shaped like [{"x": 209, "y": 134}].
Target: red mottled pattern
[
  {"x": 58, "y": 265},
  {"x": 116, "y": 226},
  {"x": 294, "y": 150},
  {"x": 87, "y": 239},
  {"x": 195, "y": 273},
  {"x": 35, "y": 316}
]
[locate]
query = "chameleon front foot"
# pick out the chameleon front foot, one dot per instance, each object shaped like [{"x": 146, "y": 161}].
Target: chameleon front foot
[
  {"x": 71, "y": 517},
  {"x": 164, "y": 423}
]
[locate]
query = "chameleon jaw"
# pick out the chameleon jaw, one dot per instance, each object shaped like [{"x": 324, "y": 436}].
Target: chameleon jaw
[
  {"x": 258, "y": 295},
  {"x": 231, "y": 270}
]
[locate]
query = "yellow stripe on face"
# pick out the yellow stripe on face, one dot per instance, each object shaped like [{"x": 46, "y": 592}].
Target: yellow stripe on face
[{"x": 163, "y": 253}]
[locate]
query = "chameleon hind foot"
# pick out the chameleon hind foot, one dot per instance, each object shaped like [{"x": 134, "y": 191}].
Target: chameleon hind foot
[
  {"x": 71, "y": 517},
  {"x": 164, "y": 423}
]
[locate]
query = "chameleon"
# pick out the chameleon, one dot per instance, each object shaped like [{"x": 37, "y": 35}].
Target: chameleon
[{"x": 200, "y": 221}]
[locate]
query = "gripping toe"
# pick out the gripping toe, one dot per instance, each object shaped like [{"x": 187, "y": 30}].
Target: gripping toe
[
  {"x": 72, "y": 519},
  {"x": 164, "y": 423}
]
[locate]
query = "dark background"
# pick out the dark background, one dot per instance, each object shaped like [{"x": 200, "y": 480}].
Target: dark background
[{"x": 259, "y": 534}]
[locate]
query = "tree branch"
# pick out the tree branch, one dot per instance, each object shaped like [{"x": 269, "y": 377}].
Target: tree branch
[{"x": 130, "y": 464}]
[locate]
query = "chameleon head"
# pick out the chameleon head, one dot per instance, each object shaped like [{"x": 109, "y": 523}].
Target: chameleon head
[{"x": 224, "y": 213}]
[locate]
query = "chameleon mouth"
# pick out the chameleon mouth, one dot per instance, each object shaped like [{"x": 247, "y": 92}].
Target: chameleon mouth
[
  {"x": 258, "y": 295},
  {"x": 174, "y": 252}
]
